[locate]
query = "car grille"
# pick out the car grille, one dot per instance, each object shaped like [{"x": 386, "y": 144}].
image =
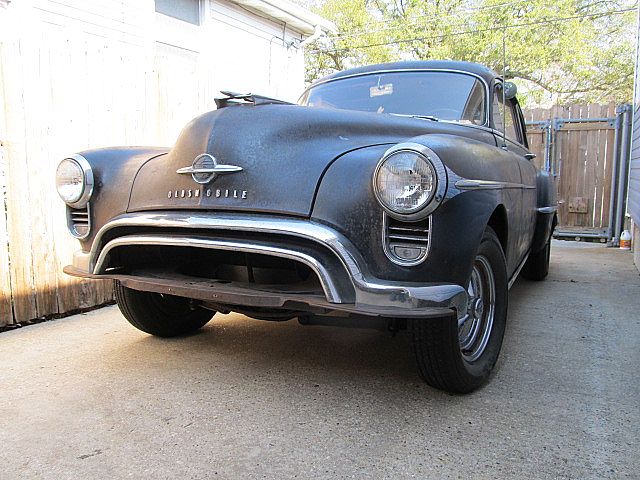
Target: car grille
[
  {"x": 406, "y": 243},
  {"x": 79, "y": 221}
]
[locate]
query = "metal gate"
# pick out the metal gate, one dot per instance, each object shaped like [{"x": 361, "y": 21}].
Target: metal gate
[{"x": 586, "y": 148}]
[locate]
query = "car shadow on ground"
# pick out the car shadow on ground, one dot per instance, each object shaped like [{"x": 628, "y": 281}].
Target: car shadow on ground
[{"x": 287, "y": 352}]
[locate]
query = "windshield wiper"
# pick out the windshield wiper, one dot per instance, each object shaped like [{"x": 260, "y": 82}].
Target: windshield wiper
[
  {"x": 426, "y": 117},
  {"x": 423, "y": 117}
]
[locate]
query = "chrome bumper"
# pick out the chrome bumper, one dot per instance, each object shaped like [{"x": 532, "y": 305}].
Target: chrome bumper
[{"x": 365, "y": 294}]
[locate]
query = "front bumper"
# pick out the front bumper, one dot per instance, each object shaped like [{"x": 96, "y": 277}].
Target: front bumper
[{"x": 346, "y": 283}]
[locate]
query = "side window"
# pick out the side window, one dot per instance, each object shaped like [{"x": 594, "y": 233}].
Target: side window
[
  {"x": 507, "y": 121},
  {"x": 522, "y": 126},
  {"x": 474, "y": 108}
]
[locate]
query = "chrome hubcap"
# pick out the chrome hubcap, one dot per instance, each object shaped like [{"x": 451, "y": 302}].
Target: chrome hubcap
[{"x": 474, "y": 329}]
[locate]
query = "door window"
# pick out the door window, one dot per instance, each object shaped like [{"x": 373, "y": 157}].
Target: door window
[{"x": 504, "y": 118}]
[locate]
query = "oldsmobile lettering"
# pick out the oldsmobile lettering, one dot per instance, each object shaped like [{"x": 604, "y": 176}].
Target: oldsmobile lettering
[{"x": 209, "y": 192}]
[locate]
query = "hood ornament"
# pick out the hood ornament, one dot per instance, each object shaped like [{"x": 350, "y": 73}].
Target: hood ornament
[{"x": 205, "y": 168}]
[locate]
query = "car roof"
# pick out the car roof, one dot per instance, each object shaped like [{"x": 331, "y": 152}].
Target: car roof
[{"x": 485, "y": 73}]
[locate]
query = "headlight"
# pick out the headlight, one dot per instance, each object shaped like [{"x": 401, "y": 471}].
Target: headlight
[
  {"x": 74, "y": 181},
  {"x": 407, "y": 179}
]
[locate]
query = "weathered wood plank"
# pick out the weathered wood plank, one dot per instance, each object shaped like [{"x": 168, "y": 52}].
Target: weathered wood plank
[
  {"x": 6, "y": 313},
  {"x": 36, "y": 71},
  {"x": 587, "y": 126},
  {"x": 18, "y": 195}
]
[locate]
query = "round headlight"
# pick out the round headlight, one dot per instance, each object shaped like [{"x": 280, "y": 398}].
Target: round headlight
[
  {"x": 405, "y": 181},
  {"x": 74, "y": 181}
]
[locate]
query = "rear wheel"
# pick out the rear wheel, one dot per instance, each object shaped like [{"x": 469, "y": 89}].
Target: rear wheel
[
  {"x": 159, "y": 314},
  {"x": 537, "y": 265},
  {"x": 459, "y": 355}
]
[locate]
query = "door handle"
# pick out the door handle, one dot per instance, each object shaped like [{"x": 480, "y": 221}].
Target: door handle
[{"x": 529, "y": 156}]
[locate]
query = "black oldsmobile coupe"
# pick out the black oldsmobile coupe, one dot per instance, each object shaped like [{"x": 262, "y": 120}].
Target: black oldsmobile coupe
[{"x": 399, "y": 196}]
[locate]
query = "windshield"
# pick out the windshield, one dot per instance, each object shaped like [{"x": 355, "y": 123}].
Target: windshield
[{"x": 444, "y": 95}]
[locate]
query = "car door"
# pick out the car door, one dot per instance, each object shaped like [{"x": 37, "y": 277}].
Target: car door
[{"x": 509, "y": 129}]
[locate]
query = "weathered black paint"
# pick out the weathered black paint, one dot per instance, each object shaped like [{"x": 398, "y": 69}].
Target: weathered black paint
[
  {"x": 114, "y": 171},
  {"x": 283, "y": 149},
  {"x": 318, "y": 163}
]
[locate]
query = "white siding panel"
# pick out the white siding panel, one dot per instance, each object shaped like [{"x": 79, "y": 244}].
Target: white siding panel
[
  {"x": 115, "y": 20},
  {"x": 633, "y": 204},
  {"x": 263, "y": 59}
]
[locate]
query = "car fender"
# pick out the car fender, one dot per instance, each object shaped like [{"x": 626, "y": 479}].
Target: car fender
[
  {"x": 114, "y": 171},
  {"x": 345, "y": 201}
]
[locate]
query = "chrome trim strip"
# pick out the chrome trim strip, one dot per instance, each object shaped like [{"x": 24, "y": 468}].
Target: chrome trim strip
[
  {"x": 219, "y": 169},
  {"x": 326, "y": 282},
  {"x": 445, "y": 70},
  {"x": 469, "y": 184},
  {"x": 552, "y": 209},
  {"x": 373, "y": 295},
  {"x": 246, "y": 223},
  {"x": 514, "y": 277}
]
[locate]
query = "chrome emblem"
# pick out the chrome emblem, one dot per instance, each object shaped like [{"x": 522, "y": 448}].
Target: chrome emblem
[{"x": 205, "y": 168}]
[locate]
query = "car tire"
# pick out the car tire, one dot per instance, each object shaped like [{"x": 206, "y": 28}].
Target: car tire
[
  {"x": 158, "y": 314},
  {"x": 451, "y": 357},
  {"x": 537, "y": 265}
]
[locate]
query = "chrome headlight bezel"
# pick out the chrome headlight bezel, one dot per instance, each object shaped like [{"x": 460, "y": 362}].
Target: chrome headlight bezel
[
  {"x": 440, "y": 179},
  {"x": 87, "y": 181}
]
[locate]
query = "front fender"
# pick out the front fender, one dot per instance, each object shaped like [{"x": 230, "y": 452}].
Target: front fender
[
  {"x": 346, "y": 202},
  {"x": 114, "y": 170}
]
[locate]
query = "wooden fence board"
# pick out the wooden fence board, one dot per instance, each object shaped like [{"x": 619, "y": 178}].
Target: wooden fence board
[
  {"x": 6, "y": 314},
  {"x": 18, "y": 201},
  {"x": 39, "y": 180}
]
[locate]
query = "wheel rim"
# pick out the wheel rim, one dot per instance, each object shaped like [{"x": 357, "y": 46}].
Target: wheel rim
[{"x": 474, "y": 329}]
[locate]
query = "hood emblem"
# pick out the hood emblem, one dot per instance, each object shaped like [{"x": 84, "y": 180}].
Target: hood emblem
[{"x": 205, "y": 168}]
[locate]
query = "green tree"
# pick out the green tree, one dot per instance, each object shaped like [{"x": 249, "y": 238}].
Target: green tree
[{"x": 563, "y": 51}]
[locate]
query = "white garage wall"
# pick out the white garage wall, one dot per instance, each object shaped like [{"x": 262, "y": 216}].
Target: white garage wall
[
  {"x": 633, "y": 203},
  {"x": 144, "y": 72}
]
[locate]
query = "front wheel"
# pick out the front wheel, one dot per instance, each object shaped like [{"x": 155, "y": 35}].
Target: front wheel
[
  {"x": 158, "y": 314},
  {"x": 458, "y": 355}
]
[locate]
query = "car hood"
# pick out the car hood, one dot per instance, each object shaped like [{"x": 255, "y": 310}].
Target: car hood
[{"x": 283, "y": 151}]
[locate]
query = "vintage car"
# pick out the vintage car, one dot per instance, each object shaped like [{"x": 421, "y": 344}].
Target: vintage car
[{"x": 399, "y": 196}]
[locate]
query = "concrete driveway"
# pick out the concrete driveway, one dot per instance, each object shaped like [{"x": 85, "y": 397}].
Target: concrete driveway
[{"x": 91, "y": 397}]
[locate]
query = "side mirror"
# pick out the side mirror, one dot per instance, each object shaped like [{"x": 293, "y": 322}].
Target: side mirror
[{"x": 510, "y": 90}]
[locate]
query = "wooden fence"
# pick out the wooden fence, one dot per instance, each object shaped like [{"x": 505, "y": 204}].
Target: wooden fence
[
  {"x": 581, "y": 157},
  {"x": 58, "y": 96}
]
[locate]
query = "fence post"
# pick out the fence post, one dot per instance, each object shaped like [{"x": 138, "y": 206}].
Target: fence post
[
  {"x": 623, "y": 171},
  {"x": 547, "y": 145}
]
